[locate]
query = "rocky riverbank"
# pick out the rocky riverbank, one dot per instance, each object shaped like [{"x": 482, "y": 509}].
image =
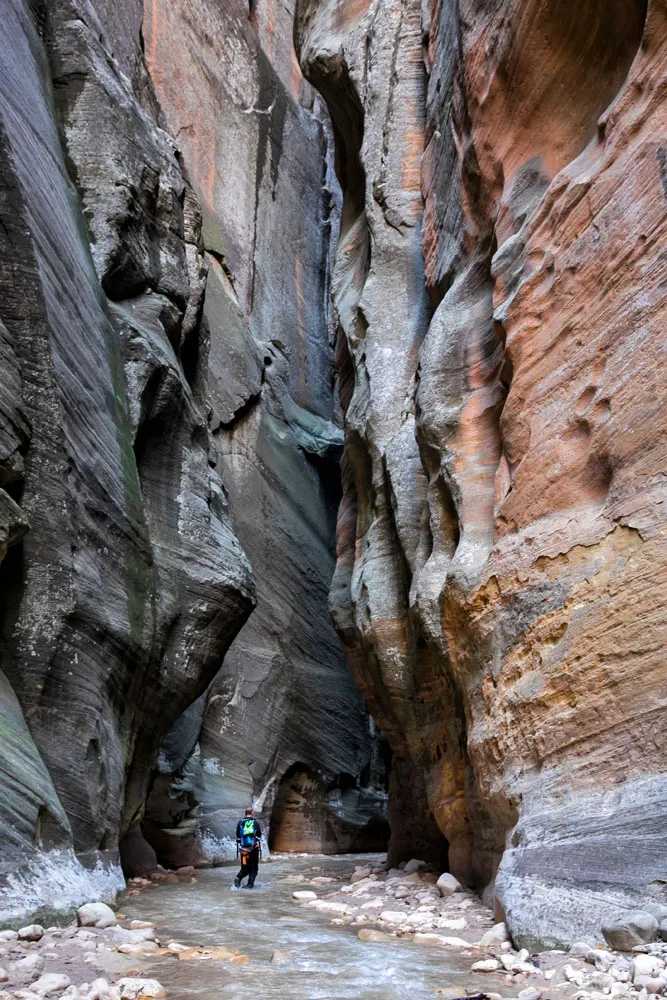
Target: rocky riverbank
[
  {"x": 439, "y": 912},
  {"x": 107, "y": 955}
]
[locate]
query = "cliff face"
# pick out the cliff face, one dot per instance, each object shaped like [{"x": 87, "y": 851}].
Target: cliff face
[
  {"x": 131, "y": 388},
  {"x": 256, "y": 143},
  {"x": 501, "y": 540}
]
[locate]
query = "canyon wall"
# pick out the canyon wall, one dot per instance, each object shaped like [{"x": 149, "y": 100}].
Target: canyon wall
[
  {"x": 137, "y": 409},
  {"x": 499, "y": 295},
  {"x": 256, "y": 142}
]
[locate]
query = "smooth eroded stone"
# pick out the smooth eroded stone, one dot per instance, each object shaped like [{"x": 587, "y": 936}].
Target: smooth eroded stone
[
  {"x": 486, "y": 965},
  {"x": 95, "y": 915},
  {"x": 33, "y": 932},
  {"x": 140, "y": 989},
  {"x": 373, "y": 935},
  {"x": 447, "y": 884},
  {"x": 51, "y": 982},
  {"x": 413, "y": 866},
  {"x": 496, "y": 935},
  {"x": 629, "y": 930}
]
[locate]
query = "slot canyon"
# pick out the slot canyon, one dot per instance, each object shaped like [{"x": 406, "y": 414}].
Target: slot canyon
[{"x": 333, "y": 446}]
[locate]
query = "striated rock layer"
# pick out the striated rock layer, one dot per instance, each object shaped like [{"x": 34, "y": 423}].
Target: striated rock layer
[
  {"x": 499, "y": 289},
  {"x": 131, "y": 387}
]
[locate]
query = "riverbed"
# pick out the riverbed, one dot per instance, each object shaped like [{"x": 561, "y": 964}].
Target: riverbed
[{"x": 321, "y": 960}]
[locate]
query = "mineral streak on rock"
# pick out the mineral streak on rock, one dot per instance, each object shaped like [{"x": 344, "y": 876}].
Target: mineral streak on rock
[{"x": 501, "y": 539}]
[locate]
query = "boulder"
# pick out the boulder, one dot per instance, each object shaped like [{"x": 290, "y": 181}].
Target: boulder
[
  {"x": 646, "y": 965},
  {"x": 4, "y": 975},
  {"x": 580, "y": 949},
  {"x": 486, "y": 965},
  {"x": 652, "y": 984},
  {"x": 33, "y": 932},
  {"x": 31, "y": 963},
  {"x": 99, "y": 988},
  {"x": 140, "y": 989},
  {"x": 304, "y": 894},
  {"x": 413, "y": 866},
  {"x": 656, "y": 909},
  {"x": 497, "y": 935},
  {"x": 448, "y": 885},
  {"x": 630, "y": 929},
  {"x": 372, "y": 935},
  {"x": 95, "y": 915},
  {"x": 51, "y": 982}
]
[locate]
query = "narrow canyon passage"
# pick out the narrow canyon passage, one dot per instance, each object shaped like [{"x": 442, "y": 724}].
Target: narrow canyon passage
[{"x": 333, "y": 396}]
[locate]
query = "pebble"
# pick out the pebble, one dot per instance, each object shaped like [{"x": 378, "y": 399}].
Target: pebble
[
  {"x": 580, "y": 949},
  {"x": 652, "y": 984},
  {"x": 455, "y": 924},
  {"x": 645, "y": 965},
  {"x": 303, "y": 894},
  {"x": 4, "y": 975},
  {"x": 413, "y": 866},
  {"x": 99, "y": 988}
]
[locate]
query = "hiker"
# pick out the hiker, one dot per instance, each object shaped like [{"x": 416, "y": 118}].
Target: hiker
[{"x": 248, "y": 837}]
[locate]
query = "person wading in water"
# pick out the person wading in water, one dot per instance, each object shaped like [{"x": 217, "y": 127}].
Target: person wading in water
[{"x": 248, "y": 836}]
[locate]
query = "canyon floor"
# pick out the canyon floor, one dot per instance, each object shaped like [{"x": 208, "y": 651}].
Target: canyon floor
[{"x": 314, "y": 928}]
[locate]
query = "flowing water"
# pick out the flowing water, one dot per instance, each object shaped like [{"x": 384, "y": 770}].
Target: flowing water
[{"x": 326, "y": 961}]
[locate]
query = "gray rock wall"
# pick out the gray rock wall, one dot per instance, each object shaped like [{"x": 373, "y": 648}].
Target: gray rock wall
[
  {"x": 110, "y": 625},
  {"x": 166, "y": 390}
]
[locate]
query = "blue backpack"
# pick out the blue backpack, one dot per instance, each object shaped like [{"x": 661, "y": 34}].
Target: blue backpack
[{"x": 248, "y": 834}]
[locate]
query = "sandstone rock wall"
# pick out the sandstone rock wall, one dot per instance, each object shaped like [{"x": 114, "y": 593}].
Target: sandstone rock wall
[
  {"x": 501, "y": 540},
  {"x": 123, "y": 582},
  {"x": 256, "y": 142}
]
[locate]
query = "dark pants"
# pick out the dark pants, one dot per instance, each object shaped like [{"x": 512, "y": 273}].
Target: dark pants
[{"x": 250, "y": 866}]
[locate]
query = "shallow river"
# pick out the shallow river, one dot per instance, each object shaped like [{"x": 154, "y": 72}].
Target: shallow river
[{"x": 326, "y": 961}]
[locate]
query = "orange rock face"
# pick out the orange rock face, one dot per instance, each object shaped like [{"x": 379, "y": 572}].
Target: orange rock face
[{"x": 502, "y": 551}]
